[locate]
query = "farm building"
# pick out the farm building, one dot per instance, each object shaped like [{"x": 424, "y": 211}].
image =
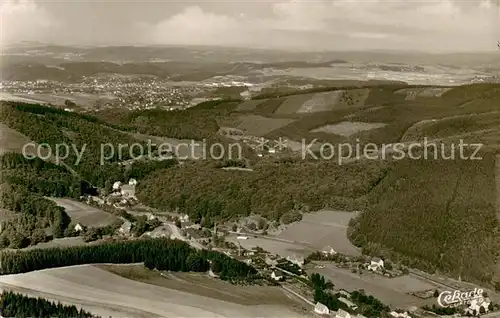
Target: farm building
[
  {"x": 277, "y": 275},
  {"x": 78, "y": 227},
  {"x": 299, "y": 261},
  {"x": 125, "y": 228},
  {"x": 342, "y": 314},
  {"x": 329, "y": 251},
  {"x": 348, "y": 303},
  {"x": 117, "y": 185},
  {"x": 376, "y": 264},
  {"x": 321, "y": 309},
  {"x": 212, "y": 274}
]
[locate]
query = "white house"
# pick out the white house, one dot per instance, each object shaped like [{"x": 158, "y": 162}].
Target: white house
[
  {"x": 78, "y": 227},
  {"x": 342, "y": 314},
  {"x": 184, "y": 218},
  {"x": 277, "y": 277},
  {"x": 132, "y": 182},
  {"x": 125, "y": 228},
  {"x": 242, "y": 237},
  {"x": 128, "y": 191},
  {"x": 348, "y": 303},
  {"x": 376, "y": 264},
  {"x": 477, "y": 304},
  {"x": 399, "y": 314},
  {"x": 329, "y": 251},
  {"x": 117, "y": 185},
  {"x": 212, "y": 274},
  {"x": 321, "y": 309}
]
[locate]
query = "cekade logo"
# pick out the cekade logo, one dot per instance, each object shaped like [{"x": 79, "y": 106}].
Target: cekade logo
[{"x": 457, "y": 297}]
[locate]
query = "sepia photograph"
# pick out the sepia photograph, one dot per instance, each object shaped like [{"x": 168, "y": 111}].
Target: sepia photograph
[{"x": 250, "y": 158}]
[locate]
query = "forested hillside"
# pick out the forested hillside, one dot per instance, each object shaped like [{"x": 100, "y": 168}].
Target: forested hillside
[
  {"x": 435, "y": 215},
  {"x": 18, "y": 305},
  {"x": 205, "y": 191}
]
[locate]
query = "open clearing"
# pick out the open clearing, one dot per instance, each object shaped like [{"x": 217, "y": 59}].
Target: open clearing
[
  {"x": 256, "y": 125},
  {"x": 391, "y": 291},
  {"x": 321, "y": 229},
  {"x": 104, "y": 292},
  {"x": 348, "y": 128},
  {"x": 324, "y": 101},
  {"x": 12, "y": 140},
  {"x": 16, "y": 98},
  {"x": 85, "y": 214},
  {"x": 60, "y": 242},
  {"x": 413, "y": 93}
]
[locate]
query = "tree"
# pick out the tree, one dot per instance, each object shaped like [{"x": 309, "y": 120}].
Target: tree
[
  {"x": 436, "y": 293},
  {"x": 140, "y": 226},
  {"x": 38, "y": 236},
  {"x": 18, "y": 240},
  {"x": 261, "y": 223},
  {"x": 388, "y": 265}
]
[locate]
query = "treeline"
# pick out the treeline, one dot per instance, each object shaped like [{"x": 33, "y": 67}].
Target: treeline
[
  {"x": 206, "y": 192},
  {"x": 369, "y": 305},
  {"x": 20, "y": 306},
  {"x": 322, "y": 293},
  {"x": 413, "y": 217},
  {"x": 34, "y": 214},
  {"x": 161, "y": 254}
]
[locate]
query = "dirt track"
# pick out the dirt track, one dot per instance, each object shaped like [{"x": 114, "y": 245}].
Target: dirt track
[{"x": 108, "y": 294}]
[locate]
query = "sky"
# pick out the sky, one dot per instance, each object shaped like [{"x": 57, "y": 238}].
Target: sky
[{"x": 424, "y": 25}]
